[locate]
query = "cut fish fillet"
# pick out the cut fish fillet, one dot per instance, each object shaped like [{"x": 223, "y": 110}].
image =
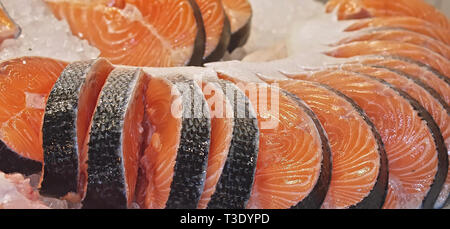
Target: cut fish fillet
[
  {"x": 137, "y": 32},
  {"x": 217, "y": 28},
  {"x": 400, "y": 36},
  {"x": 391, "y": 48},
  {"x": 8, "y": 28},
  {"x": 173, "y": 166},
  {"x": 294, "y": 160},
  {"x": 427, "y": 98},
  {"x": 415, "y": 148},
  {"x": 357, "y": 9},
  {"x": 115, "y": 142},
  {"x": 236, "y": 180},
  {"x": 239, "y": 13},
  {"x": 360, "y": 172},
  {"x": 222, "y": 125},
  {"x": 72, "y": 101},
  {"x": 407, "y": 23},
  {"x": 25, "y": 86},
  {"x": 427, "y": 76}
]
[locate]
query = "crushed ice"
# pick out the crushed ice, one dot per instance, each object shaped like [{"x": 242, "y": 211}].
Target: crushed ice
[{"x": 42, "y": 34}]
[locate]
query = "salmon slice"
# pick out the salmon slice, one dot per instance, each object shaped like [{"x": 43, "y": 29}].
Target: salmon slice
[
  {"x": 391, "y": 48},
  {"x": 236, "y": 180},
  {"x": 239, "y": 13},
  {"x": 400, "y": 36},
  {"x": 357, "y": 9},
  {"x": 360, "y": 173},
  {"x": 137, "y": 32},
  {"x": 8, "y": 28},
  {"x": 174, "y": 164},
  {"x": 72, "y": 100},
  {"x": 25, "y": 85},
  {"x": 116, "y": 137},
  {"x": 415, "y": 148},
  {"x": 289, "y": 173},
  {"x": 408, "y": 23},
  {"x": 427, "y": 76},
  {"x": 217, "y": 28},
  {"x": 221, "y": 134},
  {"x": 438, "y": 109},
  {"x": 432, "y": 81}
]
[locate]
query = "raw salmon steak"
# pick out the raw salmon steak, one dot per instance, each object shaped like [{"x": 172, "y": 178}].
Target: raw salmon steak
[
  {"x": 289, "y": 173},
  {"x": 116, "y": 137},
  {"x": 360, "y": 173},
  {"x": 234, "y": 178},
  {"x": 407, "y": 23},
  {"x": 137, "y": 32},
  {"x": 25, "y": 86},
  {"x": 428, "y": 76},
  {"x": 239, "y": 13},
  {"x": 72, "y": 101},
  {"x": 217, "y": 29},
  {"x": 174, "y": 163},
  {"x": 392, "y": 48},
  {"x": 400, "y": 36},
  {"x": 416, "y": 174},
  {"x": 357, "y": 9},
  {"x": 426, "y": 96}
]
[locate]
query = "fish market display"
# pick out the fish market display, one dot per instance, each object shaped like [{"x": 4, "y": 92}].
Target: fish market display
[{"x": 204, "y": 104}]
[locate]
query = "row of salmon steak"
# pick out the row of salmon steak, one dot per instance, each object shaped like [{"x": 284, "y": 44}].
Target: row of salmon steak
[
  {"x": 371, "y": 132},
  {"x": 113, "y": 136}
]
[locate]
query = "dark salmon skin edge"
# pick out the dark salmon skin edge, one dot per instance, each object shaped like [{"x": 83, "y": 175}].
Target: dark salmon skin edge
[
  {"x": 200, "y": 39},
  {"x": 236, "y": 181},
  {"x": 192, "y": 156},
  {"x": 240, "y": 37},
  {"x": 224, "y": 42},
  {"x": 317, "y": 196},
  {"x": 60, "y": 154},
  {"x": 106, "y": 188},
  {"x": 11, "y": 162},
  {"x": 377, "y": 196},
  {"x": 442, "y": 153}
]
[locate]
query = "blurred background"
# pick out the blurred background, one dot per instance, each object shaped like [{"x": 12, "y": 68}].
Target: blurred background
[{"x": 443, "y": 5}]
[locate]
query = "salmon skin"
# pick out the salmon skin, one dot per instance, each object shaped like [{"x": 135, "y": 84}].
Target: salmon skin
[
  {"x": 164, "y": 33},
  {"x": 26, "y": 84},
  {"x": 236, "y": 180},
  {"x": 425, "y": 95},
  {"x": 349, "y": 188},
  {"x": 391, "y": 48},
  {"x": 67, "y": 118},
  {"x": 115, "y": 142},
  {"x": 174, "y": 164},
  {"x": 302, "y": 169},
  {"x": 8, "y": 28},
  {"x": 400, "y": 36},
  {"x": 239, "y": 13},
  {"x": 185, "y": 193},
  {"x": 408, "y": 23},
  {"x": 357, "y": 9},
  {"x": 426, "y": 166},
  {"x": 217, "y": 29},
  {"x": 420, "y": 72}
]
